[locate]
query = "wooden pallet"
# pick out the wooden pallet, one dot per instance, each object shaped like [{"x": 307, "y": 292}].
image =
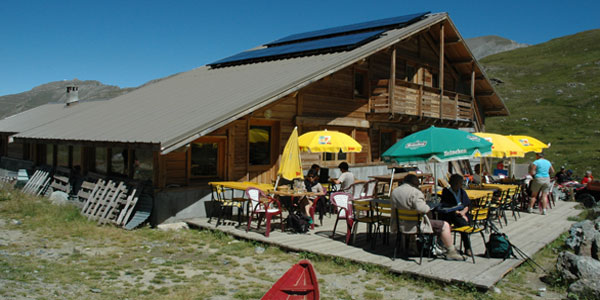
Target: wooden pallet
[
  {"x": 108, "y": 202},
  {"x": 38, "y": 183},
  {"x": 59, "y": 183}
]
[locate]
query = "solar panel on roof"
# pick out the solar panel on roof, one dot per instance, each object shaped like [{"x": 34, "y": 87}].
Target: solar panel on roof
[
  {"x": 349, "y": 28},
  {"x": 338, "y": 43}
]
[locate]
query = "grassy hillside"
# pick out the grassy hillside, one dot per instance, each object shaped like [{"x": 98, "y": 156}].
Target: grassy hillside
[{"x": 553, "y": 93}]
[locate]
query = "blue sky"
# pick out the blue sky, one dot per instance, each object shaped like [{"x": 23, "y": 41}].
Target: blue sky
[{"x": 128, "y": 43}]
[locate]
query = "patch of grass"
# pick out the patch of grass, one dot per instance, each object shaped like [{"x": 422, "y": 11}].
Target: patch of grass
[{"x": 369, "y": 295}]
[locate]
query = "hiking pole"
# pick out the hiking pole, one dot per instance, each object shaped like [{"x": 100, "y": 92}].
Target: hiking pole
[
  {"x": 519, "y": 251},
  {"x": 526, "y": 257}
]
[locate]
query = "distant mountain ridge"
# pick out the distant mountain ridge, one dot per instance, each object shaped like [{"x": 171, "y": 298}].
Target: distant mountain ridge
[
  {"x": 491, "y": 44},
  {"x": 56, "y": 92}
]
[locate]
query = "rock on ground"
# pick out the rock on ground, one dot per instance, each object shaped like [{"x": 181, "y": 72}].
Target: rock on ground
[
  {"x": 574, "y": 267},
  {"x": 581, "y": 237},
  {"x": 59, "y": 198},
  {"x": 173, "y": 226},
  {"x": 586, "y": 288}
]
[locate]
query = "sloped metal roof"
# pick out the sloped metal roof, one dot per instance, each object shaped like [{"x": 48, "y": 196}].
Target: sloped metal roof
[
  {"x": 179, "y": 109},
  {"x": 42, "y": 115}
]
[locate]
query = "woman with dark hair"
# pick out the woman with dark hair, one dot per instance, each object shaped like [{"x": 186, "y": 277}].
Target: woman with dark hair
[
  {"x": 311, "y": 182},
  {"x": 456, "y": 202}
]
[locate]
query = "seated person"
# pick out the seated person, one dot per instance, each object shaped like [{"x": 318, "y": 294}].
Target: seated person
[
  {"x": 561, "y": 176},
  {"x": 315, "y": 168},
  {"x": 311, "y": 182},
  {"x": 587, "y": 178},
  {"x": 456, "y": 201},
  {"x": 346, "y": 179},
  {"x": 409, "y": 196},
  {"x": 477, "y": 174}
]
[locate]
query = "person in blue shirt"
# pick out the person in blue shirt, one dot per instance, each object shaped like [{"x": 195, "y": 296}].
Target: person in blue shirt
[
  {"x": 540, "y": 169},
  {"x": 455, "y": 204}
]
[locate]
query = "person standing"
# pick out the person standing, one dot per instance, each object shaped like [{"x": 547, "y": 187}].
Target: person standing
[
  {"x": 409, "y": 196},
  {"x": 346, "y": 179},
  {"x": 540, "y": 169}
]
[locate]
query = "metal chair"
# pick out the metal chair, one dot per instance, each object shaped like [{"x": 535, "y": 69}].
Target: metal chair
[
  {"x": 478, "y": 217},
  {"x": 425, "y": 239},
  {"x": 223, "y": 204}
]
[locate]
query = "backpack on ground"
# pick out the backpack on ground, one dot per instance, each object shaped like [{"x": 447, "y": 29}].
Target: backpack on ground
[
  {"x": 297, "y": 222},
  {"x": 498, "y": 246}
]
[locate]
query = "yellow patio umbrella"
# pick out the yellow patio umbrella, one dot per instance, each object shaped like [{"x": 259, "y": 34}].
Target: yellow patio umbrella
[
  {"x": 290, "y": 166},
  {"x": 528, "y": 144},
  {"x": 502, "y": 146},
  {"x": 328, "y": 141}
]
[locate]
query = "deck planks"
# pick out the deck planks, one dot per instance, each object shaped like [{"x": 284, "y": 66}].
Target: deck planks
[{"x": 530, "y": 234}]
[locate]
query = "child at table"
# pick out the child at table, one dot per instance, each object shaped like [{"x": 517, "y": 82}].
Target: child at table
[{"x": 311, "y": 183}]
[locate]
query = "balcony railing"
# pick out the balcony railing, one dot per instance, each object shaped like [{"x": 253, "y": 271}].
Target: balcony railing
[{"x": 417, "y": 100}]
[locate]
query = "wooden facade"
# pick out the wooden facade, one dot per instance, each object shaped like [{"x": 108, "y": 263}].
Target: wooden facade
[{"x": 377, "y": 100}]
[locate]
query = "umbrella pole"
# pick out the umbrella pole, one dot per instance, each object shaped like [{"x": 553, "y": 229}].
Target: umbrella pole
[
  {"x": 512, "y": 168},
  {"x": 391, "y": 182},
  {"x": 276, "y": 182},
  {"x": 435, "y": 178}
]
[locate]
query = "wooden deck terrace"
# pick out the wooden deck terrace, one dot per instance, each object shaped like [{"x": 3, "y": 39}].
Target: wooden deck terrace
[{"x": 530, "y": 233}]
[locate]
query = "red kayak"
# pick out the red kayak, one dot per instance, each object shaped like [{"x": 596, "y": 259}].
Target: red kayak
[{"x": 298, "y": 283}]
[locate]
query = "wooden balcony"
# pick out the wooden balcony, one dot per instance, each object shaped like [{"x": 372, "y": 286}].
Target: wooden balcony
[{"x": 415, "y": 100}]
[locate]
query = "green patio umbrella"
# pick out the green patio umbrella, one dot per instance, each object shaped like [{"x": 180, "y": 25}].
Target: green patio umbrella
[{"x": 436, "y": 144}]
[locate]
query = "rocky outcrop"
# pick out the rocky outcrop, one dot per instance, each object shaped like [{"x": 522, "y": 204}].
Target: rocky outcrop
[
  {"x": 582, "y": 268},
  {"x": 491, "y": 44}
]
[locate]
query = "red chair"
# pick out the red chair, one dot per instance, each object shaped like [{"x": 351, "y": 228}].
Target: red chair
[
  {"x": 262, "y": 205},
  {"x": 343, "y": 205},
  {"x": 313, "y": 209}
]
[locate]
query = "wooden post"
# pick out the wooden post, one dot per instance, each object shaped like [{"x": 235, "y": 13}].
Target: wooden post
[
  {"x": 392, "y": 83},
  {"x": 456, "y": 106},
  {"x": 420, "y": 102},
  {"x": 441, "y": 77},
  {"x": 473, "y": 81}
]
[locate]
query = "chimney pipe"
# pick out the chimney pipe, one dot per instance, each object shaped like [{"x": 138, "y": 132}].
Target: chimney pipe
[{"x": 72, "y": 95}]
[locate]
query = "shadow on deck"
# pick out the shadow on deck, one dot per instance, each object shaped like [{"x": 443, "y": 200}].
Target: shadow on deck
[{"x": 530, "y": 233}]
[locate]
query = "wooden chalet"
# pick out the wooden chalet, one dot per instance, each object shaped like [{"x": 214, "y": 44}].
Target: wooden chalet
[{"x": 376, "y": 81}]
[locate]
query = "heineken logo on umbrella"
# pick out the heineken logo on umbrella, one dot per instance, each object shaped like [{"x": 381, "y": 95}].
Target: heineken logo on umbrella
[
  {"x": 455, "y": 152},
  {"x": 416, "y": 145},
  {"x": 475, "y": 138}
]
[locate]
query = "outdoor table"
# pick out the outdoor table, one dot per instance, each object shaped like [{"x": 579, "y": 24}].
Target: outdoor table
[
  {"x": 294, "y": 195},
  {"x": 242, "y": 186},
  {"x": 220, "y": 186},
  {"x": 501, "y": 187},
  {"x": 398, "y": 177},
  {"x": 475, "y": 194}
]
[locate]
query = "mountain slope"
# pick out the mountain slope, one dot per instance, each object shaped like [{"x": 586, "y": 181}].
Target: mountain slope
[
  {"x": 56, "y": 92},
  {"x": 553, "y": 93},
  {"x": 491, "y": 44}
]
